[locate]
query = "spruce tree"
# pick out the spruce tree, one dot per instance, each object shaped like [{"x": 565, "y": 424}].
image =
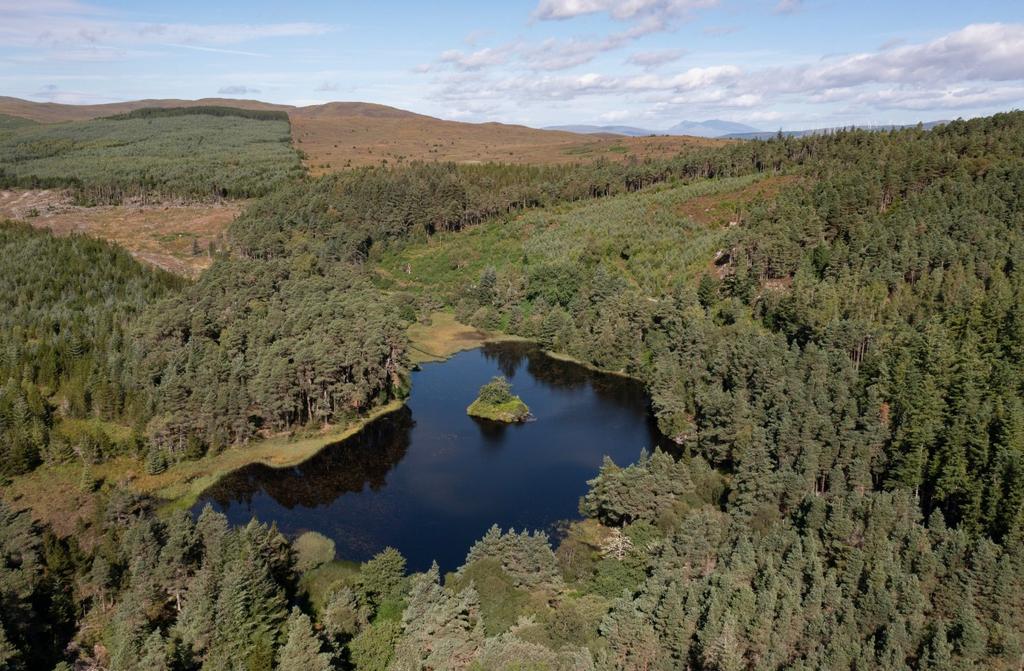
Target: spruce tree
[
  {"x": 302, "y": 650},
  {"x": 154, "y": 653}
]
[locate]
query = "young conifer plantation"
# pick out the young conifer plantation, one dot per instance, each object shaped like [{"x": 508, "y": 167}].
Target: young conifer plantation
[{"x": 840, "y": 363}]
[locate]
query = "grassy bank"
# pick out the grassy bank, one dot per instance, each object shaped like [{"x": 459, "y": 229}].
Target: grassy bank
[
  {"x": 442, "y": 336},
  {"x": 509, "y": 412},
  {"x": 63, "y": 495},
  {"x": 182, "y": 484}
]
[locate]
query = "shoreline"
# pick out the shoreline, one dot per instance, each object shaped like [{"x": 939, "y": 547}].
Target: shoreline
[
  {"x": 179, "y": 487},
  {"x": 445, "y": 337},
  {"x": 280, "y": 451}
]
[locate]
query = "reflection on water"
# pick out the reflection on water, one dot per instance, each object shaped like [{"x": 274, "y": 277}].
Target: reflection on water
[
  {"x": 362, "y": 463},
  {"x": 429, "y": 480}
]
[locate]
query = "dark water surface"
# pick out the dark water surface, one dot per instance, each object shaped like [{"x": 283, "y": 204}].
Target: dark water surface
[{"x": 430, "y": 480}]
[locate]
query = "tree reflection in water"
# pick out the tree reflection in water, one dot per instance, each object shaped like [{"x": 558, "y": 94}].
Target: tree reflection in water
[
  {"x": 430, "y": 480},
  {"x": 360, "y": 462}
]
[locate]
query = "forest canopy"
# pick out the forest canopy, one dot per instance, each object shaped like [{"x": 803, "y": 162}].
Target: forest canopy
[
  {"x": 66, "y": 305},
  {"x": 153, "y": 154},
  {"x": 838, "y": 358}
]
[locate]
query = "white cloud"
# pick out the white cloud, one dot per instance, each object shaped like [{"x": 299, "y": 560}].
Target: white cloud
[
  {"x": 481, "y": 58},
  {"x": 992, "y": 51},
  {"x": 616, "y": 115},
  {"x": 684, "y": 81},
  {"x": 621, "y": 10},
  {"x": 64, "y": 24},
  {"x": 654, "y": 59},
  {"x": 950, "y": 98},
  {"x": 56, "y": 94},
  {"x": 215, "y": 50},
  {"x": 476, "y": 36},
  {"x": 565, "y": 54},
  {"x": 720, "y": 31},
  {"x": 976, "y": 67},
  {"x": 237, "y": 90}
]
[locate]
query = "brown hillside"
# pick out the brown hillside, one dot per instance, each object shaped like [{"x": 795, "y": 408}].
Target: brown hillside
[
  {"x": 343, "y": 135},
  {"x": 56, "y": 112},
  {"x": 340, "y": 135}
]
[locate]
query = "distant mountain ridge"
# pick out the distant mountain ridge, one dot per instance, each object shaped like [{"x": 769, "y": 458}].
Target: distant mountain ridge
[
  {"x": 764, "y": 135},
  {"x": 584, "y": 129},
  {"x": 707, "y": 128},
  {"x": 339, "y": 135},
  {"x": 726, "y": 130},
  {"x": 710, "y": 128}
]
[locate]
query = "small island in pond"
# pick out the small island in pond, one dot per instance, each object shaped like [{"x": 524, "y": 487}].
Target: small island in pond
[{"x": 496, "y": 402}]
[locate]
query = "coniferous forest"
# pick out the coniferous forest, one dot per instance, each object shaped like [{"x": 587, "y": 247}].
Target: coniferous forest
[
  {"x": 839, "y": 362},
  {"x": 193, "y": 153}
]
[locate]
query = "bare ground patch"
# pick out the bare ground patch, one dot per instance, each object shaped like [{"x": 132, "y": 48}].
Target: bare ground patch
[
  {"x": 728, "y": 208},
  {"x": 175, "y": 237}
]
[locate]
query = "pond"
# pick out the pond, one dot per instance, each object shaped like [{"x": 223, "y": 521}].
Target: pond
[{"x": 429, "y": 480}]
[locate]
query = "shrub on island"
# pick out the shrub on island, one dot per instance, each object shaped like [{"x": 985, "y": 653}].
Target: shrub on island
[{"x": 496, "y": 402}]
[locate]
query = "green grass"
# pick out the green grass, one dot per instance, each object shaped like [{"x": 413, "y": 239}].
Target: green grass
[
  {"x": 196, "y": 156},
  {"x": 320, "y": 583},
  {"x": 10, "y": 123},
  {"x": 510, "y": 411},
  {"x": 643, "y": 237}
]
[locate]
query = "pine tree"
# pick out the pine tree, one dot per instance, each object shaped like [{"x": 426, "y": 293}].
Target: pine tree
[
  {"x": 724, "y": 653},
  {"x": 343, "y": 617},
  {"x": 249, "y": 613},
  {"x": 154, "y": 653},
  {"x": 381, "y": 577},
  {"x": 10, "y": 656},
  {"x": 374, "y": 648},
  {"x": 938, "y": 654},
  {"x": 439, "y": 629},
  {"x": 302, "y": 648}
]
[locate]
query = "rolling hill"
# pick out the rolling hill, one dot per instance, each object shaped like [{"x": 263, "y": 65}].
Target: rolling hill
[
  {"x": 57, "y": 112},
  {"x": 339, "y": 135}
]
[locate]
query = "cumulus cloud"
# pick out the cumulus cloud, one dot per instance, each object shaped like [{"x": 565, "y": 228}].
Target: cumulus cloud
[
  {"x": 327, "y": 86},
  {"x": 687, "y": 80},
  {"x": 643, "y": 17},
  {"x": 979, "y": 52},
  {"x": 565, "y": 54},
  {"x": 948, "y": 98},
  {"x": 236, "y": 90},
  {"x": 478, "y": 59},
  {"x": 975, "y": 67},
  {"x": 550, "y": 55}
]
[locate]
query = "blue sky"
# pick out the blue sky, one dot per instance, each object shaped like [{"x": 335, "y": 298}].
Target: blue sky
[{"x": 650, "y": 63}]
